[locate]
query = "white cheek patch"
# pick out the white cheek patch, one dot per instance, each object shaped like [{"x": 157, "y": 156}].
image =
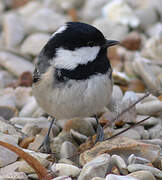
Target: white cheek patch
[
  {"x": 68, "y": 59},
  {"x": 60, "y": 30}
]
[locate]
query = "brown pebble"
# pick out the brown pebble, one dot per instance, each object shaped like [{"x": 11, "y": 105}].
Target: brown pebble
[
  {"x": 26, "y": 141},
  {"x": 132, "y": 41},
  {"x": 25, "y": 79}
]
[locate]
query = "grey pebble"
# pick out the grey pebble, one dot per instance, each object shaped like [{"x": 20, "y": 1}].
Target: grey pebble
[
  {"x": 132, "y": 159},
  {"x": 137, "y": 167},
  {"x": 98, "y": 167},
  {"x": 120, "y": 164},
  {"x": 67, "y": 150}
]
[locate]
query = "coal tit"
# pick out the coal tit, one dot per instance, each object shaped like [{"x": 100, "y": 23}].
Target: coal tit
[{"x": 73, "y": 75}]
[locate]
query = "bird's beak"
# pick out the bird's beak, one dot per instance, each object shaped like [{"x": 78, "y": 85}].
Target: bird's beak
[{"x": 111, "y": 43}]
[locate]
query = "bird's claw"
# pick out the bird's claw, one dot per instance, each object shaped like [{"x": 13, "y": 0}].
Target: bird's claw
[{"x": 45, "y": 146}]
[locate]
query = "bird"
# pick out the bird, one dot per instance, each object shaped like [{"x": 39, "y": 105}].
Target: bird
[{"x": 73, "y": 75}]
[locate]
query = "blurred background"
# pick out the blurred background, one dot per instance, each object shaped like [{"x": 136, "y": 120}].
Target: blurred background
[{"x": 26, "y": 25}]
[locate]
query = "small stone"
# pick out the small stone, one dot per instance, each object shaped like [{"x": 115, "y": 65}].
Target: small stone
[
  {"x": 153, "y": 47},
  {"x": 143, "y": 14},
  {"x": 142, "y": 175},
  {"x": 153, "y": 141},
  {"x": 30, "y": 129},
  {"x": 5, "y": 78},
  {"x": 8, "y": 112},
  {"x": 116, "y": 177},
  {"x": 120, "y": 164},
  {"x": 111, "y": 29},
  {"x": 13, "y": 34},
  {"x": 156, "y": 132},
  {"x": 24, "y": 143},
  {"x": 150, "y": 122},
  {"x": 65, "y": 169},
  {"x": 15, "y": 64},
  {"x": 67, "y": 150},
  {"x": 25, "y": 79},
  {"x": 7, "y": 156},
  {"x": 123, "y": 147},
  {"x": 80, "y": 138},
  {"x": 62, "y": 178},
  {"x": 131, "y": 133},
  {"x": 36, "y": 143},
  {"x": 137, "y": 160},
  {"x": 149, "y": 108},
  {"x": 29, "y": 108},
  {"x": 99, "y": 166},
  {"x": 66, "y": 161},
  {"x": 120, "y": 78},
  {"x": 154, "y": 29},
  {"x": 31, "y": 46},
  {"x": 138, "y": 167},
  {"x": 45, "y": 18},
  {"x": 40, "y": 122},
  {"x": 13, "y": 175},
  {"x": 80, "y": 125},
  {"x": 124, "y": 13},
  {"x": 132, "y": 41},
  {"x": 145, "y": 71},
  {"x": 57, "y": 142},
  {"x": 98, "y": 178}
]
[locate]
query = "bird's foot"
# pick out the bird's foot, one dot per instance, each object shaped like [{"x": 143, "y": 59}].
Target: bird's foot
[
  {"x": 100, "y": 134},
  {"x": 45, "y": 146}
]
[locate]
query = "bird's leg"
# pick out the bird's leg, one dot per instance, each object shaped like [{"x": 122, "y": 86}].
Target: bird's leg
[
  {"x": 100, "y": 132},
  {"x": 45, "y": 146}
]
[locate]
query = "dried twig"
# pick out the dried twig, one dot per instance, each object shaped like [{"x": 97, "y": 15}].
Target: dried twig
[
  {"x": 127, "y": 128},
  {"x": 33, "y": 162},
  {"x": 128, "y": 108}
]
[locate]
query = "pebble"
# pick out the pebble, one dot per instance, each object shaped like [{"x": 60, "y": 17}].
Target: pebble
[
  {"x": 123, "y": 147},
  {"x": 124, "y": 14},
  {"x": 143, "y": 13},
  {"x": 145, "y": 71},
  {"x": 45, "y": 18},
  {"x": 149, "y": 108},
  {"x": 111, "y": 29},
  {"x": 153, "y": 141},
  {"x": 119, "y": 163},
  {"x": 142, "y": 175},
  {"x": 155, "y": 132},
  {"x": 40, "y": 122},
  {"x": 138, "y": 167},
  {"x": 13, "y": 29},
  {"x": 13, "y": 175},
  {"x": 155, "y": 29},
  {"x": 30, "y": 129},
  {"x": 31, "y": 46},
  {"x": 79, "y": 138},
  {"x": 29, "y": 108},
  {"x": 116, "y": 98},
  {"x": 67, "y": 150},
  {"x": 98, "y": 167},
  {"x": 62, "y": 178},
  {"x": 8, "y": 112},
  {"x": 132, "y": 159},
  {"x": 92, "y": 9},
  {"x": 5, "y": 79},
  {"x": 116, "y": 177},
  {"x": 150, "y": 122},
  {"x": 153, "y": 47},
  {"x": 80, "y": 125},
  {"x": 61, "y": 169},
  {"x": 57, "y": 142},
  {"x": 15, "y": 64},
  {"x": 7, "y": 156},
  {"x": 98, "y": 178}
]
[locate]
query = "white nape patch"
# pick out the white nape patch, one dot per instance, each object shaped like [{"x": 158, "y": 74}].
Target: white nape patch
[
  {"x": 60, "y": 30},
  {"x": 69, "y": 59}
]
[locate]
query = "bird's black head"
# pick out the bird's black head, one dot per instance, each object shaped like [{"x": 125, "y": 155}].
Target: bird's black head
[{"x": 74, "y": 35}]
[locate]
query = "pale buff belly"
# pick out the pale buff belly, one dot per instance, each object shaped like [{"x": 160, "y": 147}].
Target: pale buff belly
[{"x": 76, "y": 98}]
